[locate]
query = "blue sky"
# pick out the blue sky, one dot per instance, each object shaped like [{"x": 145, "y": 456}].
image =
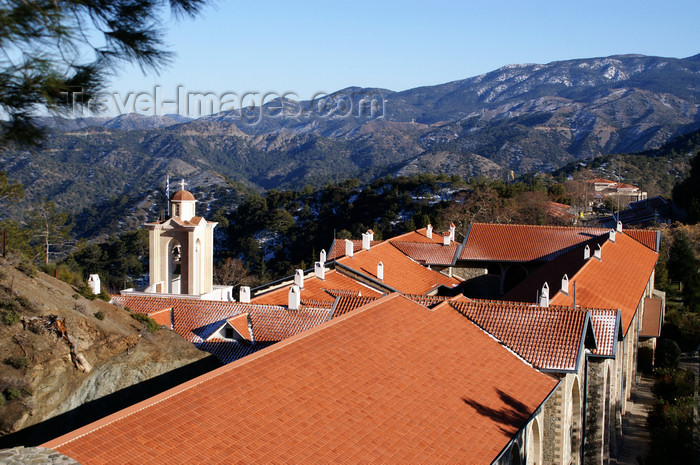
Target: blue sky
[{"x": 311, "y": 46}]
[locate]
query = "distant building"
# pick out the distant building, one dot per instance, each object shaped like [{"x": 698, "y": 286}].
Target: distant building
[{"x": 602, "y": 188}]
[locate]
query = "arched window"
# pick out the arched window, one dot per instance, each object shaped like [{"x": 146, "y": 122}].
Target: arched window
[
  {"x": 534, "y": 445},
  {"x": 575, "y": 428}
]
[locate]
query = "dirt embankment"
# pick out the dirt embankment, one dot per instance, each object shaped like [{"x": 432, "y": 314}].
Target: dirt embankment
[{"x": 61, "y": 361}]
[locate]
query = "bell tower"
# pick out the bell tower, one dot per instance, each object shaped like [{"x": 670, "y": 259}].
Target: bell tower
[{"x": 181, "y": 249}]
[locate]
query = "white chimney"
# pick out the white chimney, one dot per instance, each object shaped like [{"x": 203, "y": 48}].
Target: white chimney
[
  {"x": 244, "y": 295},
  {"x": 586, "y": 252},
  {"x": 611, "y": 235},
  {"x": 380, "y": 271},
  {"x": 544, "y": 296},
  {"x": 453, "y": 228},
  {"x": 619, "y": 226},
  {"x": 348, "y": 247},
  {"x": 565, "y": 284},
  {"x": 94, "y": 283},
  {"x": 371, "y": 234},
  {"x": 322, "y": 258},
  {"x": 446, "y": 238},
  {"x": 598, "y": 252},
  {"x": 299, "y": 278},
  {"x": 294, "y": 297},
  {"x": 429, "y": 231},
  {"x": 366, "y": 241},
  {"x": 320, "y": 270}
]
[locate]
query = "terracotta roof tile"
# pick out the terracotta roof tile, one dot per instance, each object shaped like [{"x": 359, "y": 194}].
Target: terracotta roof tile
[
  {"x": 653, "y": 317},
  {"x": 618, "y": 281},
  {"x": 316, "y": 289},
  {"x": 241, "y": 323},
  {"x": 196, "y": 320},
  {"x": 550, "y": 338},
  {"x": 357, "y": 389},
  {"x": 419, "y": 235},
  {"x": 607, "y": 328},
  {"x": 428, "y": 253},
  {"x": 429, "y": 301},
  {"x": 400, "y": 272},
  {"x": 522, "y": 243},
  {"x": 337, "y": 249},
  {"x": 648, "y": 237},
  {"x": 345, "y": 304}
]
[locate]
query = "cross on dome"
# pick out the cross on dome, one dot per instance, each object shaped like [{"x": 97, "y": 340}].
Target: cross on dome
[{"x": 182, "y": 185}]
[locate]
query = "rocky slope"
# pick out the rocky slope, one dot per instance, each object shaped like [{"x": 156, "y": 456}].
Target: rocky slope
[{"x": 49, "y": 387}]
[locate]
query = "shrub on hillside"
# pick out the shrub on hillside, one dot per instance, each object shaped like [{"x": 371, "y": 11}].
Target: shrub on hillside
[
  {"x": 12, "y": 393},
  {"x": 148, "y": 322},
  {"x": 10, "y": 317},
  {"x": 17, "y": 362}
]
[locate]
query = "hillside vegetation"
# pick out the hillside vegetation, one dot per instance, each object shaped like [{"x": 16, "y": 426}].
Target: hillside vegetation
[{"x": 68, "y": 360}]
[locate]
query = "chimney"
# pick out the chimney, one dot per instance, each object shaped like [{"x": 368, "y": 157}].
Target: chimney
[
  {"x": 544, "y": 296},
  {"x": 244, "y": 295},
  {"x": 619, "y": 226},
  {"x": 429, "y": 231},
  {"x": 348, "y": 247},
  {"x": 446, "y": 238},
  {"x": 299, "y": 278},
  {"x": 565, "y": 284},
  {"x": 94, "y": 283},
  {"x": 380, "y": 271},
  {"x": 453, "y": 228},
  {"x": 586, "y": 252},
  {"x": 371, "y": 234},
  {"x": 598, "y": 253},
  {"x": 294, "y": 297},
  {"x": 322, "y": 258},
  {"x": 320, "y": 270},
  {"x": 366, "y": 240},
  {"x": 611, "y": 235}
]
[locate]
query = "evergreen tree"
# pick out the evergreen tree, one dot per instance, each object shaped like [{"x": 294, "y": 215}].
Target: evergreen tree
[
  {"x": 687, "y": 193},
  {"x": 44, "y": 44}
]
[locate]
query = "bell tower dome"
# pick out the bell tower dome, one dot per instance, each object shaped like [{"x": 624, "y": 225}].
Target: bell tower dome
[{"x": 182, "y": 204}]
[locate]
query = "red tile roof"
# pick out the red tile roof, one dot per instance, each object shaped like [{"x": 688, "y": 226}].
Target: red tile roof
[
  {"x": 337, "y": 249},
  {"x": 618, "y": 281},
  {"x": 358, "y": 389},
  {"x": 316, "y": 289},
  {"x": 428, "y": 253},
  {"x": 419, "y": 235},
  {"x": 600, "y": 181},
  {"x": 648, "y": 237},
  {"x": 346, "y": 304},
  {"x": 607, "y": 327},
  {"x": 196, "y": 320},
  {"x": 653, "y": 318},
  {"x": 163, "y": 317},
  {"x": 241, "y": 324},
  {"x": 429, "y": 301},
  {"x": 551, "y": 338},
  {"x": 401, "y": 273},
  {"x": 522, "y": 243}
]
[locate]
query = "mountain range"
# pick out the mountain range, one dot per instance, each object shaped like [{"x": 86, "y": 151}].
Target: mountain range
[{"x": 524, "y": 118}]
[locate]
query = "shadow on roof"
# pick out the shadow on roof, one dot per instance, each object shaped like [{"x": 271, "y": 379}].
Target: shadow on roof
[{"x": 512, "y": 417}]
